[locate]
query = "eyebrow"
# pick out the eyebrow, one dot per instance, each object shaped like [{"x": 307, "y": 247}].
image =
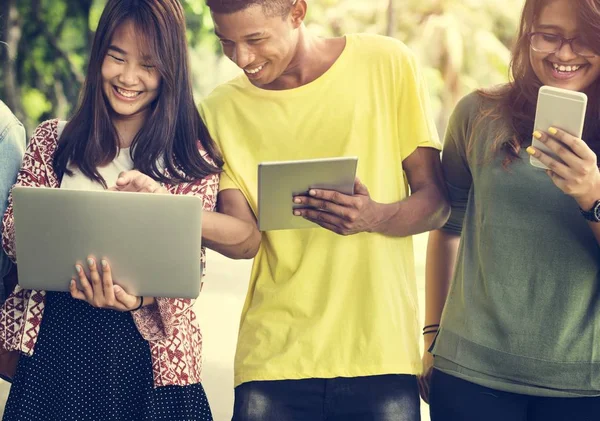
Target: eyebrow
[
  {"x": 252, "y": 35},
  {"x": 553, "y": 27},
  {"x": 145, "y": 57},
  {"x": 117, "y": 49}
]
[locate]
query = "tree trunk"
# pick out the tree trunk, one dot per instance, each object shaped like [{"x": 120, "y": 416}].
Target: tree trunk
[
  {"x": 391, "y": 19},
  {"x": 8, "y": 53}
]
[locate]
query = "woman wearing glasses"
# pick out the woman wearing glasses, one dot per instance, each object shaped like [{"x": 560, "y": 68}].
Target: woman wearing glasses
[{"x": 520, "y": 334}]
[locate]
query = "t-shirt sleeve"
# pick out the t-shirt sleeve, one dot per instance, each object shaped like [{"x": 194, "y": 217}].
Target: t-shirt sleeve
[
  {"x": 227, "y": 182},
  {"x": 456, "y": 166},
  {"x": 417, "y": 127}
]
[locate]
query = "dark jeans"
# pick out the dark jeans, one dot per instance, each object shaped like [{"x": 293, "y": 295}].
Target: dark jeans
[
  {"x": 375, "y": 398},
  {"x": 454, "y": 399}
]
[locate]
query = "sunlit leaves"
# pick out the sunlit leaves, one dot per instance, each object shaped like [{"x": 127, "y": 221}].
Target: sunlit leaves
[{"x": 35, "y": 103}]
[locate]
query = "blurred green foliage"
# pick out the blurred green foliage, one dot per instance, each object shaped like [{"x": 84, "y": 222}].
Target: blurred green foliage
[{"x": 462, "y": 45}]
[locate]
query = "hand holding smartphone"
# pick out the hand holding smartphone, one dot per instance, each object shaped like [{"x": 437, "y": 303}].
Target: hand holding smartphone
[{"x": 560, "y": 108}]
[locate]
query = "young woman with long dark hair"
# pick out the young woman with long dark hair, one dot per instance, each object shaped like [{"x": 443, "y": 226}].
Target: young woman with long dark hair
[
  {"x": 100, "y": 353},
  {"x": 519, "y": 336}
]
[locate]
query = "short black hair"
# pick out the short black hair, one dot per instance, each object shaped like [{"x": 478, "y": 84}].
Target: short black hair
[{"x": 270, "y": 7}]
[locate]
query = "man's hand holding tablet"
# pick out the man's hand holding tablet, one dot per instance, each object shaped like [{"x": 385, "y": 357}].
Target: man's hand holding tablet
[
  {"x": 338, "y": 212},
  {"x": 280, "y": 182}
]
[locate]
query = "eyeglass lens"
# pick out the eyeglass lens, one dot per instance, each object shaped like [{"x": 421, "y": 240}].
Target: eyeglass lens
[{"x": 550, "y": 43}]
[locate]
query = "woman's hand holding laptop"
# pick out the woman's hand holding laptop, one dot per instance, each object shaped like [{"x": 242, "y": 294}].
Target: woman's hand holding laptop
[{"x": 101, "y": 292}]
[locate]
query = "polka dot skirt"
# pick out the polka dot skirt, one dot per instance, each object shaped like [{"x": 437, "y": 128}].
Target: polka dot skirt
[{"x": 92, "y": 364}]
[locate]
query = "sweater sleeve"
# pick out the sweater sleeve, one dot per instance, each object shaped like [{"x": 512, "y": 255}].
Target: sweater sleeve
[
  {"x": 157, "y": 322},
  {"x": 34, "y": 172},
  {"x": 455, "y": 163}
]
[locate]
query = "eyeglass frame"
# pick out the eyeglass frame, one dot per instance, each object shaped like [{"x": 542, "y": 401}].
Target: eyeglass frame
[{"x": 562, "y": 40}]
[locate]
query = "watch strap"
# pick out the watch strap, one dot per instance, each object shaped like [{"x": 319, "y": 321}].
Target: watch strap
[{"x": 593, "y": 214}]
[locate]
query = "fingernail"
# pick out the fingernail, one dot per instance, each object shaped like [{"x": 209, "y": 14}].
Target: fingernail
[
  {"x": 104, "y": 263},
  {"x": 117, "y": 288},
  {"x": 530, "y": 150},
  {"x": 90, "y": 262},
  {"x": 297, "y": 200},
  {"x": 78, "y": 268},
  {"x": 297, "y": 213},
  {"x": 537, "y": 135},
  {"x": 312, "y": 192},
  {"x": 552, "y": 131}
]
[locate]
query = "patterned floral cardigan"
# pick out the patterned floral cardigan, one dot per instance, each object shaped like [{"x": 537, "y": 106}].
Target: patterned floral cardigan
[{"x": 170, "y": 325}]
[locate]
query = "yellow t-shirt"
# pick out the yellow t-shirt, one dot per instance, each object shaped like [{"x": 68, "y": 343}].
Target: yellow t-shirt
[{"x": 320, "y": 305}]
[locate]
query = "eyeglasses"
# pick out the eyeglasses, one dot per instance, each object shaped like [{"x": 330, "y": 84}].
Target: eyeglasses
[{"x": 543, "y": 42}]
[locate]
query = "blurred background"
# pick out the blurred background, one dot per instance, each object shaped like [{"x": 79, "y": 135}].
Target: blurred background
[{"x": 461, "y": 44}]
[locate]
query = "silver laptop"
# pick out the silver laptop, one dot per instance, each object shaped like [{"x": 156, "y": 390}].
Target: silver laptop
[
  {"x": 280, "y": 181},
  {"x": 152, "y": 241}
]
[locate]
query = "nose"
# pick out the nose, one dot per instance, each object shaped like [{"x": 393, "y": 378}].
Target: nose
[
  {"x": 129, "y": 75},
  {"x": 566, "y": 53},
  {"x": 242, "y": 56}
]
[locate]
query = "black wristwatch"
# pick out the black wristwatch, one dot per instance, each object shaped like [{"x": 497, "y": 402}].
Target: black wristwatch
[{"x": 593, "y": 214}]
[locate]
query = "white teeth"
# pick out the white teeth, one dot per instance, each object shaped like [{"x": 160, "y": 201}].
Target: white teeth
[
  {"x": 254, "y": 71},
  {"x": 126, "y": 93},
  {"x": 562, "y": 68}
]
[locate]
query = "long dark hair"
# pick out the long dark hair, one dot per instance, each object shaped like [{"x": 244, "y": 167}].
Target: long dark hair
[
  {"x": 173, "y": 127},
  {"x": 516, "y": 101}
]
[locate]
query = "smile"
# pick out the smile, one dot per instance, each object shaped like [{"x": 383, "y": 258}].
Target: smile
[
  {"x": 127, "y": 93},
  {"x": 566, "y": 69},
  {"x": 255, "y": 70}
]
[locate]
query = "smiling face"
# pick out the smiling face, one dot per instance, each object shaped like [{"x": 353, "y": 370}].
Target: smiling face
[
  {"x": 263, "y": 46},
  {"x": 130, "y": 81},
  {"x": 564, "y": 68}
]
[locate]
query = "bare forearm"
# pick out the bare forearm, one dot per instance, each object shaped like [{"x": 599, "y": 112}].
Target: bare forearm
[
  {"x": 148, "y": 301},
  {"x": 230, "y": 236},
  {"x": 422, "y": 211},
  {"x": 442, "y": 249}
]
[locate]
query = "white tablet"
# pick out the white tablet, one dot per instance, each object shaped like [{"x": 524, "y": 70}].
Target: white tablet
[
  {"x": 152, "y": 241},
  {"x": 280, "y": 181}
]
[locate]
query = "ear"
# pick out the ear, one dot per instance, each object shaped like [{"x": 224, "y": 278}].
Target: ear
[{"x": 298, "y": 12}]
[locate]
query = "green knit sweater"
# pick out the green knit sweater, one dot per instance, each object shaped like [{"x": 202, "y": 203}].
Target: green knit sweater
[{"x": 523, "y": 311}]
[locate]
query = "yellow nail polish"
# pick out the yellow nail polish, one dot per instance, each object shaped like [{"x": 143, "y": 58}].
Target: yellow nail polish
[
  {"x": 537, "y": 135},
  {"x": 552, "y": 131},
  {"x": 530, "y": 150}
]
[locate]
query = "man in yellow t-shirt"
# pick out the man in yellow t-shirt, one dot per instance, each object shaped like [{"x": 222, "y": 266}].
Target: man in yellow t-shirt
[{"x": 329, "y": 329}]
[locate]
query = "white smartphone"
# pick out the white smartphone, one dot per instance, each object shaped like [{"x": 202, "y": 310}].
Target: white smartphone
[{"x": 560, "y": 108}]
